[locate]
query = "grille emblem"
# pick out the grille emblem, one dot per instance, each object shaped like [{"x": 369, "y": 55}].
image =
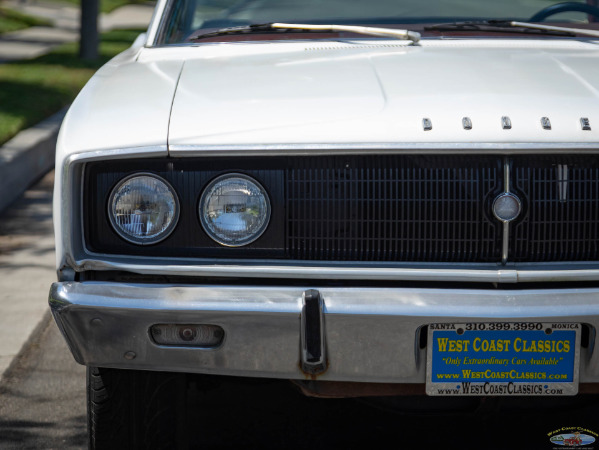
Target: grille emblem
[
  {"x": 506, "y": 123},
  {"x": 562, "y": 182},
  {"x": 507, "y": 207},
  {"x": 467, "y": 123},
  {"x": 427, "y": 124},
  {"x": 546, "y": 123}
]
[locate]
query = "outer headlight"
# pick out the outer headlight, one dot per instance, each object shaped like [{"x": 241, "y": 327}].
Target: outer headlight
[
  {"x": 234, "y": 210},
  {"x": 143, "y": 209}
]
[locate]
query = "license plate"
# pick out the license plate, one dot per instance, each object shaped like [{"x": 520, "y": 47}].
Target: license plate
[{"x": 503, "y": 358}]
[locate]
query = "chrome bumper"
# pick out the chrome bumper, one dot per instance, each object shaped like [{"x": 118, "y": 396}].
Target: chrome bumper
[{"x": 370, "y": 334}]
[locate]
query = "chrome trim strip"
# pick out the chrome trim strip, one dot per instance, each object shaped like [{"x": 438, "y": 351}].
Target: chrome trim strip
[
  {"x": 155, "y": 23},
  {"x": 505, "y": 244},
  {"x": 211, "y": 150},
  {"x": 500, "y": 275},
  {"x": 309, "y": 272},
  {"x": 506, "y": 226},
  {"x": 154, "y": 151},
  {"x": 506, "y": 175},
  {"x": 263, "y": 331}
]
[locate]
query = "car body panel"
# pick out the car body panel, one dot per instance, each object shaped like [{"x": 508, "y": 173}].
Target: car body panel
[
  {"x": 144, "y": 93},
  {"x": 338, "y": 92}
]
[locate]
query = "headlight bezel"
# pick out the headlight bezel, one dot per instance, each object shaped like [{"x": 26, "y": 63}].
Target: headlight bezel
[
  {"x": 143, "y": 241},
  {"x": 188, "y": 176},
  {"x": 210, "y": 187}
]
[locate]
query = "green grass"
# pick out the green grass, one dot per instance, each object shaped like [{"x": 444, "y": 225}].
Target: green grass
[
  {"x": 13, "y": 20},
  {"x": 108, "y": 5},
  {"x": 34, "y": 89}
]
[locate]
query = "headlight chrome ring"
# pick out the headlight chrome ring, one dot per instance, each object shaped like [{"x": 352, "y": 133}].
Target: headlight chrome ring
[
  {"x": 143, "y": 208},
  {"x": 234, "y": 210}
]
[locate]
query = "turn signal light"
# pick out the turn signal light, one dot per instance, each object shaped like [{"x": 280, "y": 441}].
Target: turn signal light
[{"x": 202, "y": 336}]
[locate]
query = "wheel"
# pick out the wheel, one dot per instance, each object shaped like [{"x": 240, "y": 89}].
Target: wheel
[
  {"x": 135, "y": 409},
  {"x": 564, "y": 7}
]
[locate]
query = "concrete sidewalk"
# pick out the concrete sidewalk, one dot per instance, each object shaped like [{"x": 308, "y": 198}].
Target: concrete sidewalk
[
  {"x": 27, "y": 268},
  {"x": 27, "y": 158}
]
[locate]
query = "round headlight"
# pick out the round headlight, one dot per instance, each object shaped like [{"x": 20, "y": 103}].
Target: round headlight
[
  {"x": 234, "y": 210},
  {"x": 143, "y": 209}
]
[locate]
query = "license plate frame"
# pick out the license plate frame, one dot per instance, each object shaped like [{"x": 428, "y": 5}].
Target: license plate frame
[{"x": 503, "y": 358}]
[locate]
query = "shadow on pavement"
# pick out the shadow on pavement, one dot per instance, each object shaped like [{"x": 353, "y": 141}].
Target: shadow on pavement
[
  {"x": 42, "y": 396},
  {"x": 28, "y": 219}
]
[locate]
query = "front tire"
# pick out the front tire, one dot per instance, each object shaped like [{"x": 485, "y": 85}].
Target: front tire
[{"x": 135, "y": 409}]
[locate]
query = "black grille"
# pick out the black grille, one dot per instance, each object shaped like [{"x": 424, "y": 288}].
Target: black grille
[
  {"x": 393, "y": 208},
  {"x": 412, "y": 208},
  {"x": 561, "y": 211}
]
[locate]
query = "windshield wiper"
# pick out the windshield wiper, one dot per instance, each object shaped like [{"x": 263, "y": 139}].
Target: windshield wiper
[
  {"x": 298, "y": 28},
  {"x": 497, "y": 26},
  {"x": 511, "y": 26},
  {"x": 537, "y": 26}
]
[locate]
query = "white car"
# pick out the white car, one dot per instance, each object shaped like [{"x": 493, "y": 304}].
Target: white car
[{"x": 399, "y": 194}]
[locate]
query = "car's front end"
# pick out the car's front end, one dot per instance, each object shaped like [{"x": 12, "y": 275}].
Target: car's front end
[{"x": 406, "y": 217}]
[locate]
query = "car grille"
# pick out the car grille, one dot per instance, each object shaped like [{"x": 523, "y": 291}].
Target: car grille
[
  {"x": 439, "y": 209},
  {"x": 377, "y": 208},
  {"x": 393, "y": 208},
  {"x": 561, "y": 221}
]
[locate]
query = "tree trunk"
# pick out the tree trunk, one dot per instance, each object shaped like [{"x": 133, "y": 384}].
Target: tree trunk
[{"x": 88, "y": 44}]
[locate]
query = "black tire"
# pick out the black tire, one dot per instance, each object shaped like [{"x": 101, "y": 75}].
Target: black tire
[{"x": 135, "y": 409}]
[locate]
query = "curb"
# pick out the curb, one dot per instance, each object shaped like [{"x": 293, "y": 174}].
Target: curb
[{"x": 27, "y": 157}]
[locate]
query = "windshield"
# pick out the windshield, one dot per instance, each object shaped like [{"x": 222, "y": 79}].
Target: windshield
[{"x": 185, "y": 18}]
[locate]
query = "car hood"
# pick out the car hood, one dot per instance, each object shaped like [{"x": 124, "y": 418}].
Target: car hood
[
  {"x": 344, "y": 93},
  {"x": 125, "y": 105}
]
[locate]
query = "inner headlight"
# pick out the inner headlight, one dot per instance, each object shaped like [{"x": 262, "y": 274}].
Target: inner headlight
[
  {"x": 234, "y": 210},
  {"x": 143, "y": 209}
]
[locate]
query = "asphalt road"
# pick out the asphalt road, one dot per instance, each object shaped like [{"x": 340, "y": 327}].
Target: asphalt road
[{"x": 42, "y": 398}]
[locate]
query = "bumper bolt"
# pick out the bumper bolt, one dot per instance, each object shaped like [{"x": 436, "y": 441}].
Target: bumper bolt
[{"x": 130, "y": 355}]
